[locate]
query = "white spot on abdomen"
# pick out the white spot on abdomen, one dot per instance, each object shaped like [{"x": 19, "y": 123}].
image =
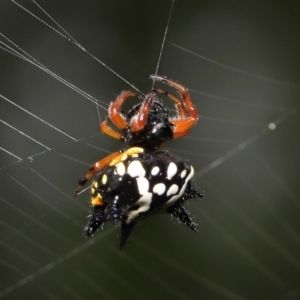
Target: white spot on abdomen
[
  {"x": 159, "y": 189},
  {"x": 155, "y": 171},
  {"x": 175, "y": 197},
  {"x": 136, "y": 169},
  {"x": 143, "y": 185},
  {"x": 183, "y": 174},
  {"x": 172, "y": 190},
  {"x": 172, "y": 169},
  {"x": 144, "y": 204}
]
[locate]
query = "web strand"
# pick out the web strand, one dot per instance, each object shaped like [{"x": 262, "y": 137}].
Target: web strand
[
  {"x": 71, "y": 39},
  {"x": 259, "y": 77},
  {"x": 28, "y": 58},
  {"x": 243, "y": 145},
  {"x": 163, "y": 42},
  {"x": 236, "y": 147},
  {"x": 38, "y": 118}
]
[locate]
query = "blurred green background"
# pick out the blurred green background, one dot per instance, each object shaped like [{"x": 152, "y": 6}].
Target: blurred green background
[{"x": 241, "y": 62}]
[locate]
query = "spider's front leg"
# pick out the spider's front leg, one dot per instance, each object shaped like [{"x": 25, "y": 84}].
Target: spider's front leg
[
  {"x": 115, "y": 116},
  {"x": 96, "y": 167},
  {"x": 184, "y": 123},
  {"x": 138, "y": 121},
  {"x": 178, "y": 102}
]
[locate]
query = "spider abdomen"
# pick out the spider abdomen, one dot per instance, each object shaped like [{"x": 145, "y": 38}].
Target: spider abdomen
[{"x": 138, "y": 185}]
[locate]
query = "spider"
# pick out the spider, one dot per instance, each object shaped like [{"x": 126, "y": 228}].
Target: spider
[{"x": 138, "y": 180}]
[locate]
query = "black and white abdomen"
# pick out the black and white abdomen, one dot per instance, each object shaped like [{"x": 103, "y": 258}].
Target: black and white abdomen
[{"x": 140, "y": 184}]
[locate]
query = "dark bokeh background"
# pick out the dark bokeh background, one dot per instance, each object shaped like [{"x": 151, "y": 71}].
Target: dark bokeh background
[{"x": 243, "y": 70}]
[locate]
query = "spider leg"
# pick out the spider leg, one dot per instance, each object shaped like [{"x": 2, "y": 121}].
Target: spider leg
[
  {"x": 110, "y": 160},
  {"x": 96, "y": 167},
  {"x": 139, "y": 120},
  {"x": 105, "y": 128},
  {"x": 115, "y": 115},
  {"x": 182, "y": 126},
  {"x": 114, "y": 112},
  {"x": 178, "y": 103}
]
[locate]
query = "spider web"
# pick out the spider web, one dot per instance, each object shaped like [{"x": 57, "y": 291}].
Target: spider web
[{"x": 241, "y": 65}]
